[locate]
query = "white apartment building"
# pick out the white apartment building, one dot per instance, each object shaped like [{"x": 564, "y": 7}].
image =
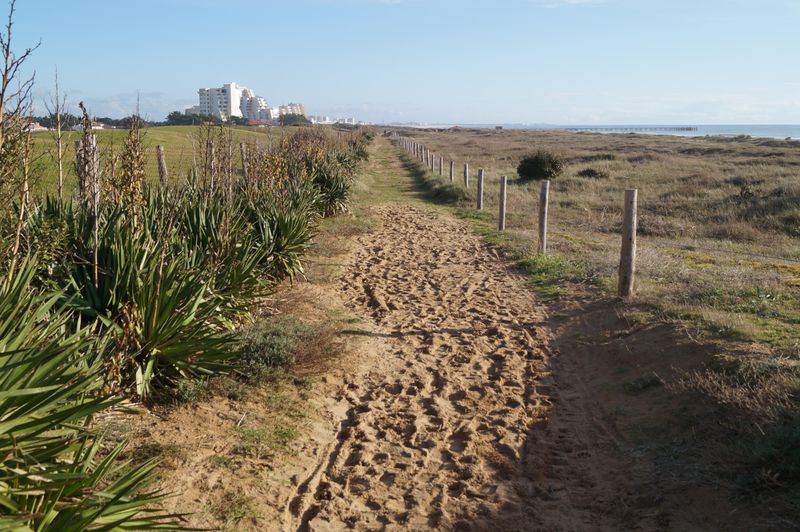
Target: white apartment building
[
  {"x": 254, "y": 108},
  {"x": 234, "y": 100},
  {"x": 292, "y": 109},
  {"x": 221, "y": 102}
]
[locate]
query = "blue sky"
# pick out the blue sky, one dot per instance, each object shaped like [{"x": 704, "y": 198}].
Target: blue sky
[{"x": 435, "y": 61}]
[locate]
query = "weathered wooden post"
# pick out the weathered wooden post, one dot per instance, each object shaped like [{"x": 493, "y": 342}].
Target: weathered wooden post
[
  {"x": 466, "y": 175},
  {"x": 544, "y": 197},
  {"x": 433, "y": 162},
  {"x": 452, "y": 170},
  {"x": 441, "y": 166},
  {"x": 162, "y": 166},
  {"x": 627, "y": 260},
  {"x": 501, "y": 223},
  {"x": 480, "y": 189}
]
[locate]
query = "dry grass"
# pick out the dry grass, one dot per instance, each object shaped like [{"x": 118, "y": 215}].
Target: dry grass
[
  {"x": 718, "y": 218},
  {"x": 719, "y": 257}
]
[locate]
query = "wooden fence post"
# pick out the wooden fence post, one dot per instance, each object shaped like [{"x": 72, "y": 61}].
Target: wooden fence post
[
  {"x": 501, "y": 223},
  {"x": 452, "y": 170},
  {"x": 162, "y": 166},
  {"x": 627, "y": 260},
  {"x": 544, "y": 198},
  {"x": 441, "y": 166},
  {"x": 466, "y": 175},
  {"x": 480, "y": 189}
]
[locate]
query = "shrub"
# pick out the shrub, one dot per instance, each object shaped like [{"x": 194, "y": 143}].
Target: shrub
[
  {"x": 269, "y": 345},
  {"x": 53, "y": 477},
  {"x": 541, "y": 165},
  {"x": 332, "y": 177}
]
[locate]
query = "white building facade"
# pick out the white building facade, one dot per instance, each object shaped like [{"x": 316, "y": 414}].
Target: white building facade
[
  {"x": 221, "y": 102},
  {"x": 234, "y": 100}
]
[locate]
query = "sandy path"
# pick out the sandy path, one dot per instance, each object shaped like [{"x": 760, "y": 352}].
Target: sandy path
[{"x": 436, "y": 437}]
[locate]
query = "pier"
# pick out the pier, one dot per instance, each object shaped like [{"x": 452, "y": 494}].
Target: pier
[{"x": 631, "y": 129}]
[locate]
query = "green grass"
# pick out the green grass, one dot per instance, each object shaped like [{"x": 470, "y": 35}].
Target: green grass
[
  {"x": 177, "y": 142},
  {"x": 234, "y": 507},
  {"x": 264, "y": 442}
]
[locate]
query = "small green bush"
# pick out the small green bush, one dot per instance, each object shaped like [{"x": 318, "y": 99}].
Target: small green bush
[
  {"x": 541, "y": 165},
  {"x": 269, "y": 345}
]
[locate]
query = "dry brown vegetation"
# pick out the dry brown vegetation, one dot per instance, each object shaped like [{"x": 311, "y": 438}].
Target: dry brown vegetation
[
  {"x": 719, "y": 264},
  {"x": 718, "y": 218}
]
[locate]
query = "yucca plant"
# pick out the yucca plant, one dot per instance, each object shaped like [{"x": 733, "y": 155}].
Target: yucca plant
[
  {"x": 287, "y": 221},
  {"x": 176, "y": 328},
  {"x": 51, "y": 475},
  {"x": 161, "y": 309},
  {"x": 226, "y": 245},
  {"x": 332, "y": 177}
]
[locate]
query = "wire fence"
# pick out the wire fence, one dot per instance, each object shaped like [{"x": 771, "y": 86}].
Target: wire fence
[{"x": 461, "y": 173}]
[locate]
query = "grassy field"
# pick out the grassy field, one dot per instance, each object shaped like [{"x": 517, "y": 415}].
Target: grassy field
[
  {"x": 177, "y": 142},
  {"x": 719, "y": 221}
]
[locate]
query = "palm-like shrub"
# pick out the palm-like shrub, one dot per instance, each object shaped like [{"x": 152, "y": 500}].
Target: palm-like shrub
[
  {"x": 286, "y": 222},
  {"x": 140, "y": 296},
  {"x": 333, "y": 177},
  {"x": 155, "y": 296},
  {"x": 50, "y": 475}
]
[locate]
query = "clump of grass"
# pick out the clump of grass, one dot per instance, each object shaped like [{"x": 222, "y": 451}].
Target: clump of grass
[
  {"x": 593, "y": 173},
  {"x": 766, "y": 391},
  {"x": 233, "y": 507},
  {"x": 264, "y": 442},
  {"x": 645, "y": 382},
  {"x": 595, "y": 157},
  {"x": 270, "y": 345},
  {"x": 776, "y": 461},
  {"x": 191, "y": 390},
  {"x": 549, "y": 273}
]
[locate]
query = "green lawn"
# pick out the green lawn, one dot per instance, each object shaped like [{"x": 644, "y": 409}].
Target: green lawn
[{"x": 177, "y": 142}]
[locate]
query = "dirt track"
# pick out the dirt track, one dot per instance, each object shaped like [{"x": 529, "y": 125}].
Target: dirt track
[{"x": 449, "y": 429}]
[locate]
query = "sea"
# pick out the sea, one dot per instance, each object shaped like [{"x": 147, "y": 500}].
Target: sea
[{"x": 774, "y": 131}]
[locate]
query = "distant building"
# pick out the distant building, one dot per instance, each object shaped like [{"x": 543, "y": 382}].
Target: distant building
[
  {"x": 320, "y": 119},
  {"x": 95, "y": 126},
  {"x": 292, "y": 109},
  {"x": 221, "y": 102},
  {"x": 234, "y": 100},
  {"x": 35, "y": 127}
]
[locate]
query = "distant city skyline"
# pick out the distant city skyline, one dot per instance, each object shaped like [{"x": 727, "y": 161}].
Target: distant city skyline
[{"x": 443, "y": 61}]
